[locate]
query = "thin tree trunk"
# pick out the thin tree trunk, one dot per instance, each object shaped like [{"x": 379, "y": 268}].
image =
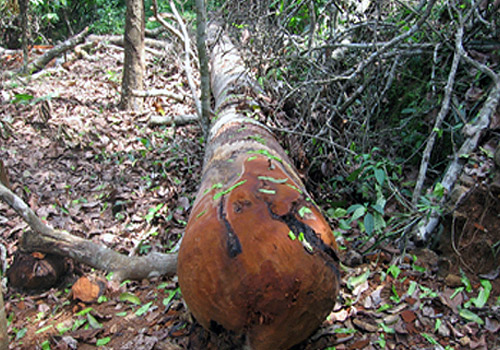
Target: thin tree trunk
[
  {"x": 23, "y": 8},
  {"x": 4, "y": 336},
  {"x": 133, "y": 65},
  {"x": 201, "y": 21}
]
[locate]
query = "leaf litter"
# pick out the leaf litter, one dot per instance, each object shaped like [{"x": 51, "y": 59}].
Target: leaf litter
[{"x": 87, "y": 167}]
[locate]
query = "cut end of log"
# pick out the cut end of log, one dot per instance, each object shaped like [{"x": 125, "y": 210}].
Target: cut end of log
[
  {"x": 36, "y": 271},
  {"x": 257, "y": 257}
]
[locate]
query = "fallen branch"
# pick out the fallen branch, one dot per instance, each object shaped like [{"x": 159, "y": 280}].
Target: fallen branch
[
  {"x": 157, "y": 93},
  {"x": 187, "y": 60},
  {"x": 56, "y": 51},
  {"x": 445, "y": 107},
  {"x": 168, "y": 26},
  {"x": 47, "y": 240},
  {"x": 174, "y": 119},
  {"x": 118, "y": 40},
  {"x": 474, "y": 131}
]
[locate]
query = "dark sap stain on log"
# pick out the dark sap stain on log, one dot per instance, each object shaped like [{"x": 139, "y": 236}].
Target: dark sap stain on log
[
  {"x": 216, "y": 327},
  {"x": 233, "y": 244},
  {"x": 297, "y": 227}
]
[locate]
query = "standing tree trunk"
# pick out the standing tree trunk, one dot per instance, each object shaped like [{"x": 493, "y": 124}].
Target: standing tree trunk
[
  {"x": 201, "y": 37},
  {"x": 4, "y": 336},
  {"x": 257, "y": 258},
  {"x": 23, "y": 9},
  {"x": 133, "y": 65}
]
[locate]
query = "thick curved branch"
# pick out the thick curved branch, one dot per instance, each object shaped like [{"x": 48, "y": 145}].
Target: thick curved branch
[{"x": 45, "y": 239}]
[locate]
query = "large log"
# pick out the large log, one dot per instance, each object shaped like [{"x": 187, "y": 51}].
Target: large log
[{"x": 257, "y": 259}]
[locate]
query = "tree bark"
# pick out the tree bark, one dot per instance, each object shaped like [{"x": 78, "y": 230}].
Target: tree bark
[
  {"x": 23, "y": 9},
  {"x": 201, "y": 20},
  {"x": 56, "y": 51},
  {"x": 133, "y": 66},
  {"x": 4, "y": 336},
  {"x": 257, "y": 258},
  {"x": 47, "y": 240}
]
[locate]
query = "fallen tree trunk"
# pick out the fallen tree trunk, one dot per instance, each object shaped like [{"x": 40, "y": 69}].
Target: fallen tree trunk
[
  {"x": 56, "y": 51},
  {"x": 257, "y": 258}
]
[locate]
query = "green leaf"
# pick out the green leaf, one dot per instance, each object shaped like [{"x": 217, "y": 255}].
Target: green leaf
[
  {"x": 272, "y": 179},
  {"x": 344, "y": 225},
  {"x": 456, "y": 292},
  {"x": 21, "y": 333},
  {"x": 466, "y": 282},
  {"x": 220, "y": 194},
  {"x": 344, "y": 331},
  {"x": 384, "y": 307},
  {"x": 121, "y": 314},
  {"x": 369, "y": 223},
  {"x": 84, "y": 311},
  {"x": 46, "y": 328},
  {"x": 61, "y": 328},
  {"x": 304, "y": 210},
  {"x": 380, "y": 176},
  {"x": 22, "y": 98},
  {"x": 439, "y": 190},
  {"x": 93, "y": 322},
  {"x": 170, "y": 296},
  {"x": 470, "y": 316},
  {"x": 103, "y": 341},
  {"x": 266, "y": 191},
  {"x": 336, "y": 213},
  {"x": 143, "y": 309},
  {"x": 78, "y": 323},
  {"x": 355, "y": 281},
  {"x": 394, "y": 271},
  {"x": 359, "y": 211},
  {"x": 482, "y": 297},
  {"x": 412, "y": 288},
  {"x": 429, "y": 338},
  {"x": 386, "y": 328},
  {"x": 354, "y": 175},
  {"x": 437, "y": 324},
  {"x": 131, "y": 298},
  {"x": 484, "y": 294},
  {"x": 46, "y": 345}
]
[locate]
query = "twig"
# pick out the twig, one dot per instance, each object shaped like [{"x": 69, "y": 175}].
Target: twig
[
  {"x": 165, "y": 24},
  {"x": 187, "y": 60},
  {"x": 173, "y": 120},
  {"x": 157, "y": 93},
  {"x": 474, "y": 131},
  {"x": 445, "y": 107},
  {"x": 353, "y": 73}
]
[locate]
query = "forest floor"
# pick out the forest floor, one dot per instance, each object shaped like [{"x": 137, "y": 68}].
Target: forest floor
[{"x": 110, "y": 176}]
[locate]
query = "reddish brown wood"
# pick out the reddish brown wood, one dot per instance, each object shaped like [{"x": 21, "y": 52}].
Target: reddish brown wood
[{"x": 257, "y": 258}]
